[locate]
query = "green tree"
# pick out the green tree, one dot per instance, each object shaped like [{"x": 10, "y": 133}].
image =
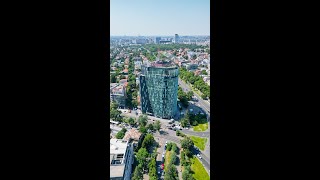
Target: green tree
[
  {"x": 148, "y": 141},
  {"x": 186, "y": 143},
  {"x": 115, "y": 115},
  {"x": 143, "y": 119},
  {"x": 131, "y": 121},
  {"x": 194, "y": 123},
  {"x": 134, "y": 103},
  {"x": 138, "y": 175},
  {"x": 187, "y": 175},
  {"x": 203, "y": 96},
  {"x": 142, "y": 156},
  {"x": 114, "y": 105},
  {"x": 169, "y": 146},
  {"x": 124, "y": 130},
  {"x": 152, "y": 169},
  {"x": 171, "y": 173},
  {"x": 189, "y": 95},
  {"x": 150, "y": 127},
  {"x": 157, "y": 125},
  {"x": 178, "y": 133},
  {"x": 182, "y": 158},
  {"x": 143, "y": 129},
  {"x": 187, "y": 152},
  {"x": 120, "y": 135},
  {"x": 185, "y": 121},
  {"x": 174, "y": 148},
  {"x": 173, "y": 158}
]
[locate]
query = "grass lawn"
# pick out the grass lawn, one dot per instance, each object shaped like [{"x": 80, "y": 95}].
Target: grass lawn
[
  {"x": 199, "y": 142},
  {"x": 199, "y": 172},
  {"x": 201, "y": 127},
  {"x": 167, "y": 160}
]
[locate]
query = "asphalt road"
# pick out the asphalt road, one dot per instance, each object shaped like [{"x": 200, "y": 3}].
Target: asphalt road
[{"x": 204, "y": 104}]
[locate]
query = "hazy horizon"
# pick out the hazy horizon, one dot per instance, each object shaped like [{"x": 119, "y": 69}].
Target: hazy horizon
[{"x": 159, "y": 17}]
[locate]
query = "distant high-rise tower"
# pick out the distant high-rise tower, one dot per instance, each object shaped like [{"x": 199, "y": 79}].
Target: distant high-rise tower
[
  {"x": 157, "y": 40},
  {"x": 176, "y": 38},
  {"x": 159, "y": 89}
]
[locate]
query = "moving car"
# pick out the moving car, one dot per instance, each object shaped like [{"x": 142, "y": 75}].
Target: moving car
[{"x": 199, "y": 156}]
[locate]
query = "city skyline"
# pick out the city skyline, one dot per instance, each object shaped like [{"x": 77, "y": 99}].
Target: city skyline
[{"x": 159, "y": 17}]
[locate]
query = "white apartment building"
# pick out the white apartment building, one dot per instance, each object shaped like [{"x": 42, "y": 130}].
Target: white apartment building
[{"x": 121, "y": 159}]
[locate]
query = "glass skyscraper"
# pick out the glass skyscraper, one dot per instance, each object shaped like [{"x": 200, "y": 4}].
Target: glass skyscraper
[{"x": 159, "y": 89}]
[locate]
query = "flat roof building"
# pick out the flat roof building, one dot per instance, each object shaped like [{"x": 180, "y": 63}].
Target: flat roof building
[{"x": 121, "y": 159}]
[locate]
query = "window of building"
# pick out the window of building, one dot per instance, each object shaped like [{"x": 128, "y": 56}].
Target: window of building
[{"x": 120, "y": 156}]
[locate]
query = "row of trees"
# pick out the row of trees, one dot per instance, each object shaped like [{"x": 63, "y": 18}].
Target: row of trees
[
  {"x": 197, "y": 82},
  {"x": 185, "y": 157},
  {"x": 146, "y": 160},
  {"x": 171, "y": 172},
  {"x": 132, "y": 88}
]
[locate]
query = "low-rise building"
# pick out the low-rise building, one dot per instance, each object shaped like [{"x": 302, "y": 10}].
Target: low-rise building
[
  {"x": 133, "y": 135},
  {"x": 121, "y": 159}
]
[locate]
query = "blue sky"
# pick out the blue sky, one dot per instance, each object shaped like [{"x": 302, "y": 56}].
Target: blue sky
[{"x": 159, "y": 17}]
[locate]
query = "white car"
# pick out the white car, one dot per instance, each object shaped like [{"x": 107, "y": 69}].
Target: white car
[
  {"x": 199, "y": 156},
  {"x": 187, "y": 128}
]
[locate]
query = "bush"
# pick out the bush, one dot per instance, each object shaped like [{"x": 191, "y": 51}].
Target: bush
[{"x": 178, "y": 133}]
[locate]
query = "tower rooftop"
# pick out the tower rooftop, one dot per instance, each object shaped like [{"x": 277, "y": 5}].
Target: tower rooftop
[{"x": 162, "y": 63}]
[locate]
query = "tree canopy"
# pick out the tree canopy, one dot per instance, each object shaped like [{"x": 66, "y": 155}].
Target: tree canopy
[
  {"x": 143, "y": 119},
  {"x": 157, "y": 125},
  {"x": 186, "y": 143},
  {"x": 142, "y": 156}
]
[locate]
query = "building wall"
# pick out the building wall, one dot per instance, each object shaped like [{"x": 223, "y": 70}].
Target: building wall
[
  {"x": 129, "y": 162},
  {"x": 159, "y": 89}
]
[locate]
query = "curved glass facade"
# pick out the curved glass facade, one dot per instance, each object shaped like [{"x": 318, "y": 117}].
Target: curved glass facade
[{"x": 159, "y": 90}]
